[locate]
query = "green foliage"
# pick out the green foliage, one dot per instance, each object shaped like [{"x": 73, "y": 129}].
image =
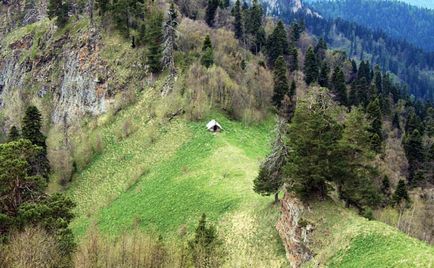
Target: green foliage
[
  {"x": 207, "y": 59},
  {"x": 310, "y": 67},
  {"x": 22, "y": 198},
  {"x": 14, "y": 134},
  {"x": 338, "y": 86},
  {"x": 395, "y": 122},
  {"x": 401, "y": 193},
  {"x": 254, "y": 31},
  {"x": 323, "y": 78},
  {"x": 32, "y": 123},
  {"x": 312, "y": 137},
  {"x": 58, "y": 9},
  {"x": 103, "y": 6},
  {"x": 154, "y": 40},
  {"x": 374, "y": 115},
  {"x": 293, "y": 59},
  {"x": 281, "y": 84},
  {"x": 204, "y": 247},
  {"x": 277, "y": 43}
]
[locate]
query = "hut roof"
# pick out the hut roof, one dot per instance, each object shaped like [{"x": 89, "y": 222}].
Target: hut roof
[{"x": 213, "y": 123}]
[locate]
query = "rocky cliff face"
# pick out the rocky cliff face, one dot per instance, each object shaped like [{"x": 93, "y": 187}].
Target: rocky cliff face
[
  {"x": 57, "y": 72},
  {"x": 293, "y": 231},
  {"x": 280, "y": 7}
]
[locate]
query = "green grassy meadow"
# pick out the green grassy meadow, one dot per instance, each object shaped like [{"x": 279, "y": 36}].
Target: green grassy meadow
[{"x": 163, "y": 176}]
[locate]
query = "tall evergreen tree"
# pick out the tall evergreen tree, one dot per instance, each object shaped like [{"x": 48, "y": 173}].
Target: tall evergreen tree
[
  {"x": 320, "y": 50},
  {"x": 310, "y": 67},
  {"x": 395, "y": 122},
  {"x": 277, "y": 43},
  {"x": 401, "y": 192},
  {"x": 238, "y": 23},
  {"x": 211, "y": 10},
  {"x": 281, "y": 84},
  {"x": 312, "y": 137},
  {"x": 32, "y": 124},
  {"x": 374, "y": 115},
  {"x": 323, "y": 78},
  {"x": 338, "y": 86},
  {"x": 295, "y": 31},
  {"x": 208, "y": 53},
  {"x": 155, "y": 40},
  {"x": 14, "y": 134}
]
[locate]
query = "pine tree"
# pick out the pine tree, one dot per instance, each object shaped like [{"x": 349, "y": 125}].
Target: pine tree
[
  {"x": 155, "y": 40},
  {"x": 211, "y": 10},
  {"x": 401, "y": 192},
  {"x": 32, "y": 124},
  {"x": 310, "y": 67},
  {"x": 31, "y": 130},
  {"x": 374, "y": 115},
  {"x": 338, "y": 86},
  {"x": 238, "y": 23},
  {"x": 14, "y": 134},
  {"x": 277, "y": 43},
  {"x": 312, "y": 136},
  {"x": 323, "y": 78},
  {"x": 281, "y": 84},
  {"x": 58, "y": 9},
  {"x": 208, "y": 53}
]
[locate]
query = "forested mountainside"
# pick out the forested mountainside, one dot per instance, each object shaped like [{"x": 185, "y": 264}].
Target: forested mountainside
[
  {"x": 106, "y": 159},
  {"x": 396, "y": 19},
  {"x": 409, "y": 64},
  {"x": 420, "y": 3}
]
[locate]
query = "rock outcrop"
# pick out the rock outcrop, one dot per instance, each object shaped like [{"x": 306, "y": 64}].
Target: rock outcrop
[{"x": 294, "y": 231}]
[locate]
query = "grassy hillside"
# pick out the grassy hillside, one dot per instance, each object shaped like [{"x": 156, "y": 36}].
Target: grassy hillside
[
  {"x": 343, "y": 239},
  {"x": 162, "y": 177}
]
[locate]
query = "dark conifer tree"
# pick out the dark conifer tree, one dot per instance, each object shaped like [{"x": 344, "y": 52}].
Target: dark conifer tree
[
  {"x": 238, "y": 23},
  {"x": 310, "y": 67},
  {"x": 211, "y": 10},
  {"x": 14, "y": 134},
  {"x": 32, "y": 124},
  {"x": 281, "y": 84},
  {"x": 295, "y": 31},
  {"x": 338, "y": 86},
  {"x": 208, "y": 53},
  {"x": 277, "y": 43},
  {"x": 323, "y": 78},
  {"x": 374, "y": 115},
  {"x": 401, "y": 192},
  {"x": 385, "y": 186},
  {"x": 155, "y": 40}
]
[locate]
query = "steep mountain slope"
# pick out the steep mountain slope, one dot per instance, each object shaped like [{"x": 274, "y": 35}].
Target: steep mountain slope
[
  {"x": 409, "y": 23},
  {"x": 420, "y": 3}
]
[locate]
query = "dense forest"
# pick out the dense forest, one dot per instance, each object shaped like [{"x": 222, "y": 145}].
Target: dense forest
[
  {"x": 398, "y": 20},
  {"x": 410, "y": 64}
]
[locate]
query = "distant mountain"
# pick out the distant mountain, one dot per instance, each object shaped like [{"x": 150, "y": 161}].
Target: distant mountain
[
  {"x": 419, "y": 3},
  {"x": 397, "y": 19}
]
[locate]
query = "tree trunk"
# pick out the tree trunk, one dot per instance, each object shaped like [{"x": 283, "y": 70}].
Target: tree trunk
[{"x": 276, "y": 198}]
